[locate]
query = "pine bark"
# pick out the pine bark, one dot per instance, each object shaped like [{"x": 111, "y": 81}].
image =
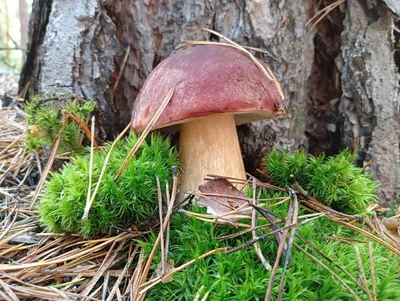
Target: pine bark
[{"x": 340, "y": 79}]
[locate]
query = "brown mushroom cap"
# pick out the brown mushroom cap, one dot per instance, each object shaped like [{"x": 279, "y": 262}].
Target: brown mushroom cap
[{"x": 208, "y": 79}]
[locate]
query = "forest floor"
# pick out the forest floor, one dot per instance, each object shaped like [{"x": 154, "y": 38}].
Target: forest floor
[{"x": 37, "y": 265}]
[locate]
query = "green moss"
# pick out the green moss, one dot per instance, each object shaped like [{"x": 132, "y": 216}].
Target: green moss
[
  {"x": 129, "y": 201},
  {"x": 45, "y": 122},
  {"x": 334, "y": 181},
  {"x": 240, "y": 276}
]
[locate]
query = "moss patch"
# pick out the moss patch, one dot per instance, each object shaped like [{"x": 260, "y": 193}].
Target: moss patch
[
  {"x": 240, "y": 276},
  {"x": 45, "y": 121},
  {"x": 131, "y": 200},
  {"x": 334, "y": 181}
]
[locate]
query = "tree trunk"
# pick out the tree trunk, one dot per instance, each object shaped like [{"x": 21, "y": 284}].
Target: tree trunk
[{"x": 340, "y": 79}]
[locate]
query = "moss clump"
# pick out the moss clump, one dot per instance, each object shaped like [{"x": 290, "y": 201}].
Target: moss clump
[
  {"x": 45, "y": 122},
  {"x": 131, "y": 200},
  {"x": 334, "y": 181},
  {"x": 240, "y": 276}
]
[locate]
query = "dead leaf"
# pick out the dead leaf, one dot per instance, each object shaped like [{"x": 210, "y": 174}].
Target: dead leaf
[
  {"x": 169, "y": 268},
  {"x": 392, "y": 224},
  {"x": 216, "y": 197}
]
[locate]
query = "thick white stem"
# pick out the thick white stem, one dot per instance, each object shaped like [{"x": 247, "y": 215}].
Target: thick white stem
[{"x": 209, "y": 145}]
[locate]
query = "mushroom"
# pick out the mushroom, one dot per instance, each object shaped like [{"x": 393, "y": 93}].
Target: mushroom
[{"x": 216, "y": 88}]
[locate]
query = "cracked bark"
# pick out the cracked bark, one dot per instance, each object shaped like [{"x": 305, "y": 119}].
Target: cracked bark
[
  {"x": 370, "y": 84},
  {"x": 84, "y": 43}
]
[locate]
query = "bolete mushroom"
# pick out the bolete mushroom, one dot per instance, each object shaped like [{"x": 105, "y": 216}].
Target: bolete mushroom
[{"x": 216, "y": 88}]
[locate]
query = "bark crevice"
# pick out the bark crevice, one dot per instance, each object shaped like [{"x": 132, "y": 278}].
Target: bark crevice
[{"x": 324, "y": 89}]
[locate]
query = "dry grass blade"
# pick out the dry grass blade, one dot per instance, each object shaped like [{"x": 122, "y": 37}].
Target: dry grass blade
[
  {"x": 117, "y": 283},
  {"x": 372, "y": 268},
  {"x": 295, "y": 203},
  {"x": 334, "y": 275},
  {"x": 148, "y": 285},
  {"x": 60, "y": 259},
  {"x": 105, "y": 266},
  {"x": 87, "y": 207},
  {"x": 264, "y": 236},
  {"x": 330, "y": 260},
  {"x": 29, "y": 290},
  {"x": 12, "y": 222},
  {"x": 362, "y": 273},
  {"x": 49, "y": 164},
  {"x": 105, "y": 286},
  {"x": 261, "y": 67},
  {"x": 367, "y": 234},
  {"x": 146, "y": 131},
  {"x": 146, "y": 269},
  {"x": 168, "y": 222},
  {"x": 9, "y": 146},
  {"x": 163, "y": 260},
  {"x": 4, "y": 296},
  {"x": 8, "y": 291},
  {"x": 133, "y": 286},
  {"x": 84, "y": 127},
  {"x": 191, "y": 42},
  {"x": 257, "y": 248},
  {"x": 268, "y": 293},
  {"x": 121, "y": 71},
  {"x": 103, "y": 170},
  {"x": 197, "y": 296},
  {"x": 323, "y": 13}
]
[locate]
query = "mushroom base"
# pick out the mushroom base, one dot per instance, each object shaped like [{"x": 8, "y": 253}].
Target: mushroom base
[{"x": 209, "y": 145}]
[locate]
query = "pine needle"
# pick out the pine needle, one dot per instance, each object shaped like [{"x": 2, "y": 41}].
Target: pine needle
[{"x": 146, "y": 131}]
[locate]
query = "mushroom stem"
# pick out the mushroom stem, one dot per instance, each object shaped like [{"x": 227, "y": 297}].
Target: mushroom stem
[{"x": 209, "y": 145}]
